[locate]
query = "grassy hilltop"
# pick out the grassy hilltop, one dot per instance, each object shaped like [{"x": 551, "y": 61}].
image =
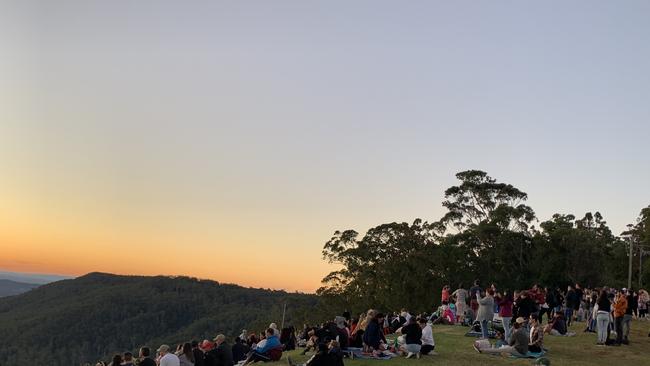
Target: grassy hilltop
[{"x": 453, "y": 348}]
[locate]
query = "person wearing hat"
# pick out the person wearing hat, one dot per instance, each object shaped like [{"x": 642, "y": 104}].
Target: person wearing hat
[
  {"x": 518, "y": 344},
  {"x": 222, "y": 352},
  {"x": 167, "y": 358}
]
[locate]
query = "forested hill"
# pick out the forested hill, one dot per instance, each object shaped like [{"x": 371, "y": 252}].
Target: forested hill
[{"x": 73, "y": 321}]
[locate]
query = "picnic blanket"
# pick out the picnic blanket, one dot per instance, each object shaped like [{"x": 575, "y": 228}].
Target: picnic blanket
[
  {"x": 530, "y": 355},
  {"x": 358, "y": 353}
]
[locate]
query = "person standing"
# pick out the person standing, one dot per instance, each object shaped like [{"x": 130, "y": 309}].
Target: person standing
[
  {"x": 603, "y": 308},
  {"x": 571, "y": 303},
  {"x": 445, "y": 294},
  {"x": 632, "y": 306},
  {"x": 461, "y": 302},
  {"x": 505, "y": 302},
  {"x": 472, "y": 296},
  {"x": 485, "y": 311},
  {"x": 620, "y": 307}
]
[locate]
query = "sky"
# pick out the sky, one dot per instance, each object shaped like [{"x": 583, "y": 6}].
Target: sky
[{"x": 230, "y": 139}]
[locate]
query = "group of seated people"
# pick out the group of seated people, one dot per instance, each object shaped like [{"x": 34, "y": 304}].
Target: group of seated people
[
  {"x": 527, "y": 336},
  {"x": 208, "y": 353}
]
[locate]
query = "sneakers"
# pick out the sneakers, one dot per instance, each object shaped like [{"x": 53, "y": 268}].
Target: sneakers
[{"x": 410, "y": 355}]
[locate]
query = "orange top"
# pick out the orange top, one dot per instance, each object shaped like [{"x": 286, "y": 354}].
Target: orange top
[{"x": 620, "y": 306}]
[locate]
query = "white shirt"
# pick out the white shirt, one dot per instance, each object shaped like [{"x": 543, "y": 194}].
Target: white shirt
[
  {"x": 169, "y": 359},
  {"x": 427, "y": 336}
]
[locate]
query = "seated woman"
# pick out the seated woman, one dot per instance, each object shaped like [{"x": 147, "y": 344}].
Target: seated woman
[
  {"x": 536, "y": 342},
  {"x": 265, "y": 349},
  {"x": 410, "y": 339},
  {"x": 312, "y": 342},
  {"x": 373, "y": 338},
  {"x": 517, "y": 345}
]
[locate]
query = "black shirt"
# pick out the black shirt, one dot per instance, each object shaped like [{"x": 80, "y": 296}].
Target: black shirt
[
  {"x": 147, "y": 362},
  {"x": 198, "y": 357},
  {"x": 604, "y": 305},
  {"x": 239, "y": 351},
  {"x": 412, "y": 333}
]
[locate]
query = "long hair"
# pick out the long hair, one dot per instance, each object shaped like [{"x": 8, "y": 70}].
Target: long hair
[{"x": 187, "y": 351}]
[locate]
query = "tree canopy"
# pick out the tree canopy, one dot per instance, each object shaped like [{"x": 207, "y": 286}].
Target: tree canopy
[{"x": 488, "y": 232}]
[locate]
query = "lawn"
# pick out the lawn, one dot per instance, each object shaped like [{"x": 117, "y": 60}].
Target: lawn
[{"x": 453, "y": 348}]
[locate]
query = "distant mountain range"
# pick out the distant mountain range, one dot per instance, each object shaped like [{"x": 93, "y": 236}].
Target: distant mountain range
[
  {"x": 73, "y": 321},
  {"x": 11, "y": 288},
  {"x": 34, "y": 278}
]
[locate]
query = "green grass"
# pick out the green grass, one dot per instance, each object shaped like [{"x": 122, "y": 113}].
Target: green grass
[{"x": 453, "y": 348}]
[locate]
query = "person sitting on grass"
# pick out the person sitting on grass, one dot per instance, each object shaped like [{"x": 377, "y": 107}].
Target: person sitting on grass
[
  {"x": 411, "y": 338},
  {"x": 428, "y": 344},
  {"x": 557, "y": 326},
  {"x": 264, "y": 347},
  {"x": 374, "y": 335},
  {"x": 312, "y": 342},
  {"x": 536, "y": 343},
  {"x": 517, "y": 345}
]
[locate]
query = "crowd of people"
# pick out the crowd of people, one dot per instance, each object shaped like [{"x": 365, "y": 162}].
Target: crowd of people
[{"x": 605, "y": 311}]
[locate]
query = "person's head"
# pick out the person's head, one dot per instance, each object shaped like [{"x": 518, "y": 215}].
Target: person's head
[
  {"x": 490, "y": 292},
  {"x": 273, "y": 326},
  {"x": 577, "y": 285},
  {"x": 219, "y": 339},
  {"x": 533, "y": 319},
  {"x": 460, "y": 285},
  {"x": 523, "y": 294},
  {"x": 569, "y": 288},
  {"x": 477, "y": 282},
  {"x": 423, "y": 322},
  {"x": 206, "y": 345},
  {"x": 117, "y": 360},
  {"x": 128, "y": 357},
  {"x": 195, "y": 343},
  {"x": 163, "y": 349},
  {"x": 145, "y": 352},
  {"x": 270, "y": 332},
  {"x": 520, "y": 322},
  {"x": 380, "y": 317}
]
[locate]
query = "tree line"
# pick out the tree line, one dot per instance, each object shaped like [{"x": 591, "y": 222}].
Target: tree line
[{"x": 487, "y": 232}]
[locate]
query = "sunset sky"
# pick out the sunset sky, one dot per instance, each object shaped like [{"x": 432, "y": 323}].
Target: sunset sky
[{"x": 230, "y": 139}]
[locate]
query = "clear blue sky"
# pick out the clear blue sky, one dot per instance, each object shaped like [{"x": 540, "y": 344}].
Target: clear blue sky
[{"x": 240, "y": 126}]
